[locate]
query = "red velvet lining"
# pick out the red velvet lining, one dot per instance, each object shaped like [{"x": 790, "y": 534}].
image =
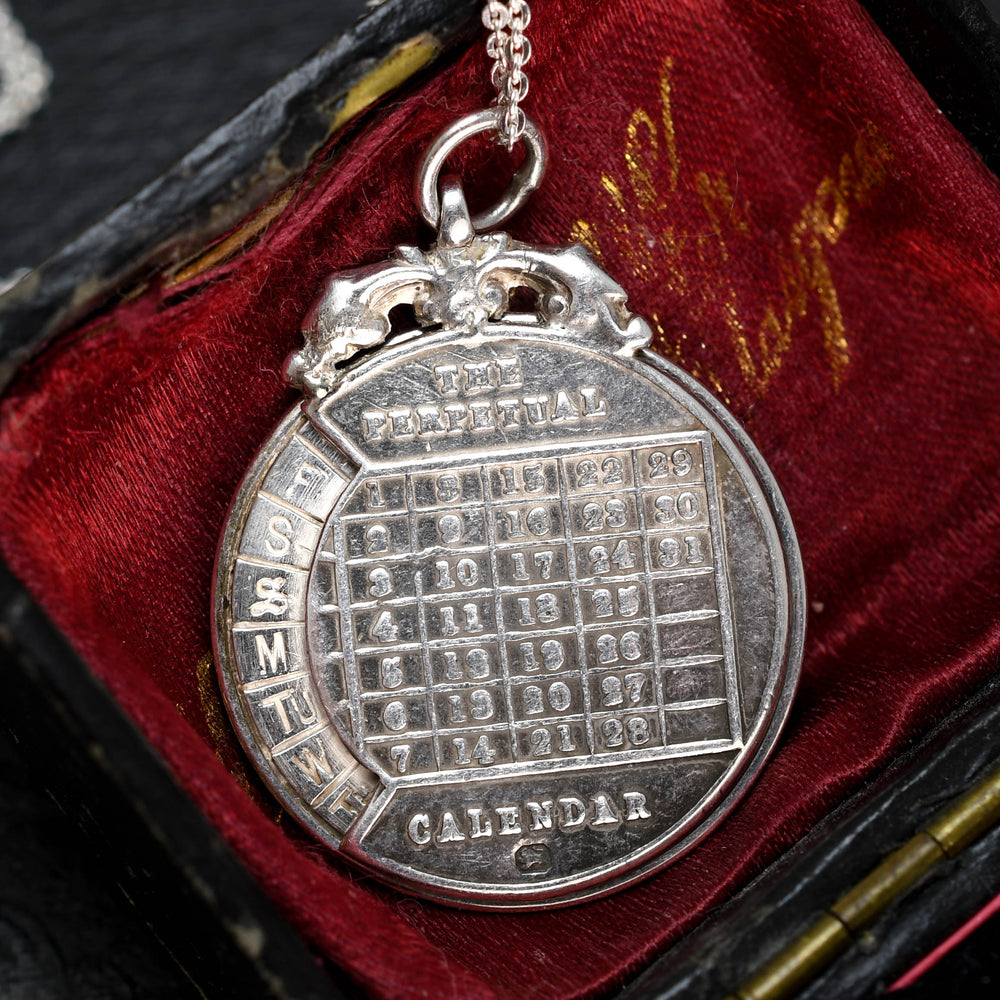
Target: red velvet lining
[{"x": 809, "y": 237}]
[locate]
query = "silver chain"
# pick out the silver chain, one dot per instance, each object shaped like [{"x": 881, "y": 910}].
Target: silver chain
[{"x": 509, "y": 49}]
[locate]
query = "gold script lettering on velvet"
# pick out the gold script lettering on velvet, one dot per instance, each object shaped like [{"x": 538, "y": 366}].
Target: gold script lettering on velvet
[{"x": 698, "y": 266}]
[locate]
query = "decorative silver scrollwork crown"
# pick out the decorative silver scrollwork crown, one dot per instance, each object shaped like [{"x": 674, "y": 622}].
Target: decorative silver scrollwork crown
[{"x": 468, "y": 288}]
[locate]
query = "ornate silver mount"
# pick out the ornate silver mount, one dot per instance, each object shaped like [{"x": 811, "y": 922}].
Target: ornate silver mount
[
  {"x": 462, "y": 287},
  {"x": 465, "y": 280}
]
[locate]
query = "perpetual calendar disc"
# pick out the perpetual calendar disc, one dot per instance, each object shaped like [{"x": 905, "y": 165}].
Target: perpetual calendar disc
[
  {"x": 509, "y": 618},
  {"x": 507, "y": 621}
]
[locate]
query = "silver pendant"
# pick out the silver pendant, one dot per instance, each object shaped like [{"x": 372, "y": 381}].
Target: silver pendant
[{"x": 510, "y": 611}]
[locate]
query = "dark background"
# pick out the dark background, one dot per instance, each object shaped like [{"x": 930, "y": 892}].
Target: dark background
[{"x": 136, "y": 84}]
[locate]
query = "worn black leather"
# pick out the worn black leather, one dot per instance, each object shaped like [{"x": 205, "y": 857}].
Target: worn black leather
[{"x": 136, "y": 85}]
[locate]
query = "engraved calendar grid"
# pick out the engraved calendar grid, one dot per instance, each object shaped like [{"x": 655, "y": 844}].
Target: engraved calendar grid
[{"x": 544, "y": 608}]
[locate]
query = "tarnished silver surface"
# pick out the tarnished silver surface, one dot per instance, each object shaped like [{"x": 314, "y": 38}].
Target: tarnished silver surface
[{"x": 511, "y": 611}]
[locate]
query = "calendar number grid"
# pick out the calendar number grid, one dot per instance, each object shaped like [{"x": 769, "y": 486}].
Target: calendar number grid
[{"x": 548, "y": 608}]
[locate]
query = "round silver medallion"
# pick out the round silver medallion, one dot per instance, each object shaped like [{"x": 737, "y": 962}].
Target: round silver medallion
[{"x": 510, "y": 613}]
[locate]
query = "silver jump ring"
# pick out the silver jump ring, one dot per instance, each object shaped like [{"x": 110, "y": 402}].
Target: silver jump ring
[{"x": 527, "y": 177}]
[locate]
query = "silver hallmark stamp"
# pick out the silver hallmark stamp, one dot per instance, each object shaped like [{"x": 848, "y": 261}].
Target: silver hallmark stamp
[{"x": 510, "y": 612}]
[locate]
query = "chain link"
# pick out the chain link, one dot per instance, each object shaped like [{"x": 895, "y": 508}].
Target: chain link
[{"x": 509, "y": 49}]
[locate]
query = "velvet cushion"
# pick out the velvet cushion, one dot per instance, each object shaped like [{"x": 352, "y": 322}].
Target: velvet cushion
[{"x": 807, "y": 235}]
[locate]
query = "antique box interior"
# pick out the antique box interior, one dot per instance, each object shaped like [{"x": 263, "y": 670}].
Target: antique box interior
[{"x": 807, "y": 235}]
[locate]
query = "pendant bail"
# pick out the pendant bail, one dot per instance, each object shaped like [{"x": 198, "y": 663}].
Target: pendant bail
[
  {"x": 455, "y": 227},
  {"x": 526, "y": 178}
]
